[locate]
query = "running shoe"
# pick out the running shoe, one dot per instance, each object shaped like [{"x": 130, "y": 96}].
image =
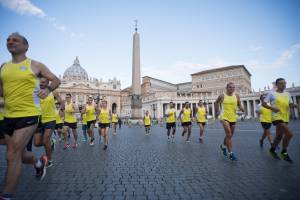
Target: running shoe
[
  {"x": 285, "y": 156},
  {"x": 188, "y": 141},
  {"x": 274, "y": 154},
  {"x": 91, "y": 143},
  {"x": 83, "y": 140},
  {"x": 223, "y": 150},
  {"x": 66, "y": 146},
  {"x": 232, "y": 157},
  {"x": 105, "y": 147},
  {"x": 41, "y": 171},
  {"x": 50, "y": 164},
  {"x": 200, "y": 140},
  {"x": 75, "y": 145}
]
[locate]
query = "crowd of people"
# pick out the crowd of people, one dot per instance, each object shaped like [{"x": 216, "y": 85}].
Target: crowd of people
[{"x": 31, "y": 110}]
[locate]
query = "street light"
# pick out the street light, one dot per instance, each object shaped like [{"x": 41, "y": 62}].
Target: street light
[{"x": 154, "y": 108}]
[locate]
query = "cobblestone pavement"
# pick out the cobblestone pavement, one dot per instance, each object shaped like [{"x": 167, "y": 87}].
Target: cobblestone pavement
[{"x": 136, "y": 166}]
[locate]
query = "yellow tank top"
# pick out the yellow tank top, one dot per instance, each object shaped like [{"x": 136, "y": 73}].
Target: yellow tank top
[
  {"x": 69, "y": 113},
  {"x": 186, "y": 115},
  {"x": 171, "y": 115},
  {"x": 114, "y": 118},
  {"x": 48, "y": 108},
  {"x": 282, "y": 103},
  {"x": 1, "y": 109},
  {"x": 201, "y": 114},
  {"x": 90, "y": 112},
  {"x": 20, "y": 88},
  {"x": 58, "y": 118},
  {"x": 84, "y": 119},
  {"x": 147, "y": 120},
  {"x": 229, "y": 108},
  {"x": 265, "y": 115},
  {"x": 104, "y": 116}
]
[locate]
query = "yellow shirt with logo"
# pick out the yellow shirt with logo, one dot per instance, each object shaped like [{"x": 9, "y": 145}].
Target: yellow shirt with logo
[
  {"x": 201, "y": 114},
  {"x": 147, "y": 120},
  {"x": 58, "y": 118},
  {"x": 265, "y": 115},
  {"x": 114, "y": 118},
  {"x": 186, "y": 115},
  {"x": 282, "y": 102},
  {"x": 48, "y": 108},
  {"x": 104, "y": 116},
  {"x": 229, "y": 108},
  {"x": 90, "y": 113},
  {"x": 20, "y": 89},
  {"x": 69, "y": 113},
  {"x": 171, "y": 115}
]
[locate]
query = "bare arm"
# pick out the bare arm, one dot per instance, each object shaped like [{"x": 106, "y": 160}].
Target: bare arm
[
  {"x": 42, "y": 71},
  {"x": 179, "y": 117},
  {"x": 57, "y": 96},
  {"x": 218, "y": 103}
]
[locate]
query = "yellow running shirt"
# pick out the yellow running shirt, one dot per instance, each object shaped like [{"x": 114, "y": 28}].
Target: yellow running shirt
[
  {"x": 201, "y": 114},
  {"x": 58, "y": 118},
  {"x": 186, "y": 115},
  {"x": 20, "y": 89},
  {"x": 1, "y": 109},
  {"x": 265, "y": 115},
  {"x": 114, "y": 118},
  {"x": 104, "y": 116},
  {"x": 171, "y": 115},
  {"x": 90, "y": 112},
  {"x": 147, "y": 120},
  {"x": 69, "y": 113},
  {"x": 229, "y": 108},
  {"x": 282, "y": 102},
  {"x": 48, "y": 108}
]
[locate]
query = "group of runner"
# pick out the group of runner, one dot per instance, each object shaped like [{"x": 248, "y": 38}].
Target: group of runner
[
  {"x": 30, "y": 110},
  {"x": 273, "y": 109}
]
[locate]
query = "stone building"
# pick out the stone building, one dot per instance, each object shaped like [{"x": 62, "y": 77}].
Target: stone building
[{"x": 76, "y": 81}]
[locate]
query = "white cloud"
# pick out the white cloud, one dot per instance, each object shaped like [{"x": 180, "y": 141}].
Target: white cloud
[
  {"x": 256, "y": 48},
  {"x": 27, "y": 7},
  {"x": 23, "y": 7},
  {"x": 287, "y": 55}
]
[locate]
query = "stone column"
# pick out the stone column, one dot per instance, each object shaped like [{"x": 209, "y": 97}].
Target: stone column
[
  {"x": 248, "y": 109},
  {"x": 213, "y": 109},
  {"x": 294, "y": 98},
  {"x": 254, "y": 107}
]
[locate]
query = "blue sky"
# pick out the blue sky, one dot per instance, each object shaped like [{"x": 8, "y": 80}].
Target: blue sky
[{"x": 177, "y": 37}]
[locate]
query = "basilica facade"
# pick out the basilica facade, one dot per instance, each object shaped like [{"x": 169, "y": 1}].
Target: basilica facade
[{"x": 76, "y": 81}]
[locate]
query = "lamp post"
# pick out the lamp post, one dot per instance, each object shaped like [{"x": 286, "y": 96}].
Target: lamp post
[{"x": 154, "y": 109}]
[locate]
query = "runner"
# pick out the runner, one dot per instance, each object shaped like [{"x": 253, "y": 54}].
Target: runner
[
  {"x": 114, "y": 120},
  {"x": 59, "y": 120},
  {"x": 185, "y": 117},
  {"x": 43, "y": 134},
  {"x": 201, "y": 118},
  {"x": 229, "y": 102},
  {"x": 265, "y": 118},
  {"x": 19, "y": 85},
  {"x": 281, "y": 102},
  {"x": 90, "y": 111},
  {"x": 120, "y": 123},
  {"x": 84, "y": 124},
  {"x": 70, "y": 122},
  {"x": 147, "y": 122},
  {"x": 104, "y": 121},
  {"x": 171, "y": 121}
]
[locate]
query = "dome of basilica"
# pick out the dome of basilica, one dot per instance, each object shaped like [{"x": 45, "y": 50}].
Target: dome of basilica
[{"x": 75, "y": 72}]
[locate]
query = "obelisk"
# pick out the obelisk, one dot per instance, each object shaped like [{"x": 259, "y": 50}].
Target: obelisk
[{"x": 136, "y": 99}]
